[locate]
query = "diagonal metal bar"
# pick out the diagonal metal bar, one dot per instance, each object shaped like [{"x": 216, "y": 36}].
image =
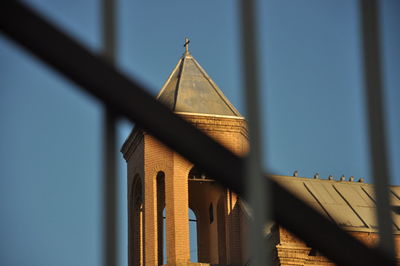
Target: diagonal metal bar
[
  {"x": 376, "y": 122},
  {"x": 128, "y": 98}
]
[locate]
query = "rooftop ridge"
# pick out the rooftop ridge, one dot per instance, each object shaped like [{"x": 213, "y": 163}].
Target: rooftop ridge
[{"x": 329, "y": 178}]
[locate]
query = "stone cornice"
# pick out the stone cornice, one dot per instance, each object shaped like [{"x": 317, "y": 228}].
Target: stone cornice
[
  {"x": 206, "y": 123},
  {"x": 131, "y": 143}
]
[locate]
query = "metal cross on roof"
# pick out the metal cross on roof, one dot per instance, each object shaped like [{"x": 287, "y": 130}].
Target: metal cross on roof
[{"x": 186, "y": 45}]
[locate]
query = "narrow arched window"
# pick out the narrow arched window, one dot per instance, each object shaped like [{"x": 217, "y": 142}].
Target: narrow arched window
[
  {"x": 137, "y": 222},
  {"x": 193, "y": 236},
  {"x": 164, "y": 237},
  {"x": 211, "y": 213},
  {"x": 160, "y": 218}
]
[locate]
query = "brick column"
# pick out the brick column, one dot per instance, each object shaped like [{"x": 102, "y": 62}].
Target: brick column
[
  {"x": 177, "y": 208},
  {"x": 150, "y": 219}
]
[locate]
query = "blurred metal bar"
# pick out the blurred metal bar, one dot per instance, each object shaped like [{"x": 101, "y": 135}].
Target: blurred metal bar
[
  {"x": 376, "y": 122},
  {"x": 256, "y": 188},
  {"x": 110, "y": 190},
  {"x": 108, "y": 27},
  {"x": 110, "y": 175},
  {"x": 128, "y": 98}
]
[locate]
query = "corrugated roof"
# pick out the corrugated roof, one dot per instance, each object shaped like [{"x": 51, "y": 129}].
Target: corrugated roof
[
  {"x": 350, "y": 204},
  {"x": 190, "y": 89}
]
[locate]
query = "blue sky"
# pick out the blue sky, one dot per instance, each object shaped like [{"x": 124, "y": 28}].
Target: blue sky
[{"x": 312, "y": 98}]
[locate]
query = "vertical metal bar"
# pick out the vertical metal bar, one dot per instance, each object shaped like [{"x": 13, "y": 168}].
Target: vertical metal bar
[
  {"x": 376, "y": 121},
  {"x": 256, "y": 186},
  {"x": 110, "y": 177}
]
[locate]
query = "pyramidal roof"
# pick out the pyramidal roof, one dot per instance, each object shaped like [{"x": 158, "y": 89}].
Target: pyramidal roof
[{"x": 189, "y": 89}]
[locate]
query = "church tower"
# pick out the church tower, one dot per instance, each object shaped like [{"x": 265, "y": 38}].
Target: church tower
[{"x": 163, "y": 186}]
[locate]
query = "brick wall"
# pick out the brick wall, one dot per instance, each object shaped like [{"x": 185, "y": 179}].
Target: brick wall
[
  {"x": 293, "y": 251},
  {"x": 146, "y": 158}
]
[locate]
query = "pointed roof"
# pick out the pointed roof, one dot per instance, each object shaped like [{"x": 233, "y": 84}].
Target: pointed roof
[{"x": 189, "y": 89}]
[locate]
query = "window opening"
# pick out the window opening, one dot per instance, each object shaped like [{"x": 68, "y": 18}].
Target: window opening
[
  {"x": 193, "y": 236},
  {"x": 211, "y": 213}
]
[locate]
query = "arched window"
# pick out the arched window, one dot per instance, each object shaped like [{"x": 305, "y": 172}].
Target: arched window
[
  {"x": 162, "y": 255},
  {"x": 211, "y": 213},
  {"x": 193, "y": 236},
  {"x": 198, "y": 186},
  {"x": 164, "y": 236},
  {"x": 137, "y": 222},
  {"x": 221, "y": 216}
]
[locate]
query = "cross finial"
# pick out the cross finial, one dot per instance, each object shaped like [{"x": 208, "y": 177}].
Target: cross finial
[{"x": 186, "y": 45}]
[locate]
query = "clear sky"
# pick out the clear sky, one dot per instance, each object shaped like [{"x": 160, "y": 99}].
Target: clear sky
[{"x": 50, "y": 131}]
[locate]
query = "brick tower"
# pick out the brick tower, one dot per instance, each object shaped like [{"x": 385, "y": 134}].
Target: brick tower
[{"x": 160, "y": 178}]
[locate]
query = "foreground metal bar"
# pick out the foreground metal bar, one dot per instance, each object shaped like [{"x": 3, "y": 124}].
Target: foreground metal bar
[
  {"x": 128, "y": 98},
  {"x": 376, "y": 122},
  {"x": 256, "y": 190},
  {"x": 110, "y": 175}
]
